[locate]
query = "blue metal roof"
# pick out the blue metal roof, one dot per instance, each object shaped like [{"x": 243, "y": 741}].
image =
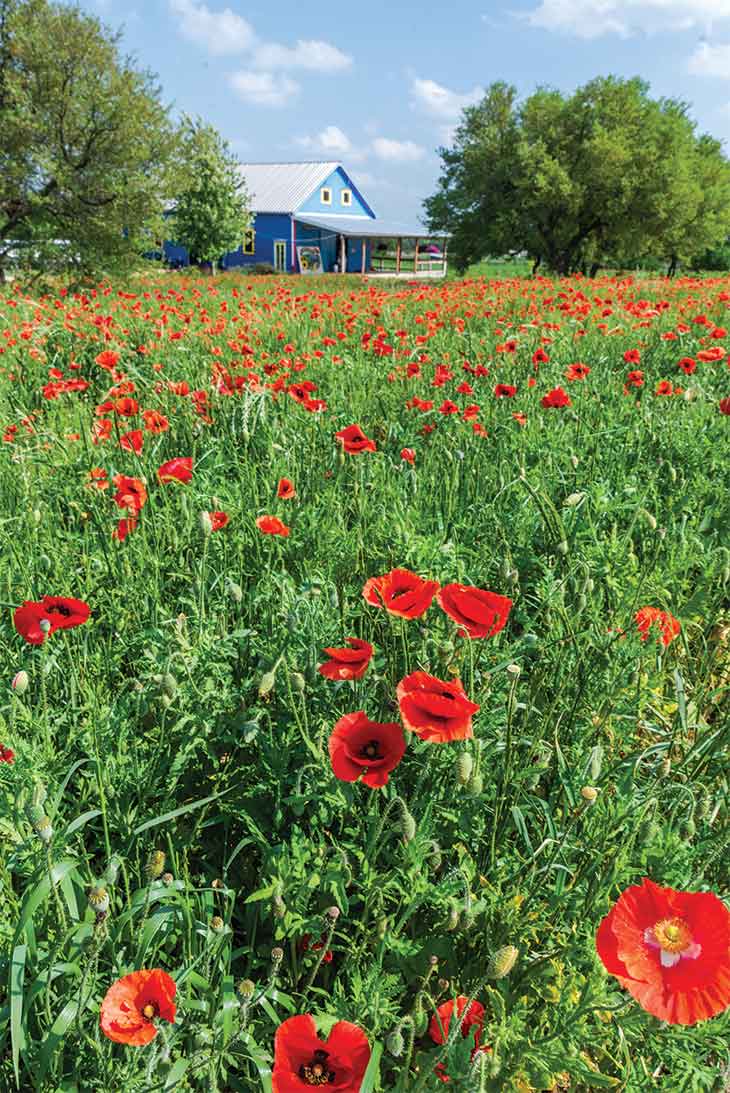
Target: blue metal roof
[{"x": 365, "y": 226}]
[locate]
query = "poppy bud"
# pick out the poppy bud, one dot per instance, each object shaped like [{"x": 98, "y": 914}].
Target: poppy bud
[
  {"x": 34, "y": 813},
  {"x": 277, "y": 955},
  {"x": 596, "y": 761},
  {"x": 216, "y": 883},
  {"x": 45, "y": 563},
  {"x": 689, "y": 828},
  {"x": 467, "y": 920},
  {"x": 20, "y": 682},
  {"x": 382, "y": 927},
  {"x": 98, "y": 900},
  {"x": 573, "y": 499},
  {"x": 452, "y": 922},
  {"x": 278, "y": 907},
  {"x": 589, "y": 794},
  {"x": 647, "y": 833},
  {"x": 408, "y": 826},
  {"x": 513, "y": 576},
  {"x": 502, "y": 962},
  {"x": 206, "y": 524},
  {"x": 268, "y": 679},
  {"x": 562, "y": 547},
  {"x": 333, "y": 913},
  {"x": 705, "y": 805},
  {"x": 505, "y": 567},
  {"x": 435, "y": 856},
  {"x": 43, "y": 829},
  {"x": 246, "y": 988},
  {"x": 112, "y": 870},
  {"x": 575, "y": 461},
  {"x": 217, "y": 924},
  {"x": 648, "y": 518},
  {"x": 36, "y": 515},
  {"x": 581, "y": 603},
  {"x": 154, "y": 865},
  {"x": 169, "y": 685},
  {"x": 394, "y": 1043},
  {"x": 45, "y": 626},
  {"x": 514, "y": 670},
  {"x": 476, "y": 785},
  {"x": 234, "y": 590},
  {"x": 666, "y": 767},
  {"x": 298, "y": 682},
  {"x": 464, "y": 767},
  {"x": 443, "y": 984}
]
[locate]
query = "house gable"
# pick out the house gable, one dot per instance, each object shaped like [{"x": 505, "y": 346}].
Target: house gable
[{"x": 337, "y": 182}]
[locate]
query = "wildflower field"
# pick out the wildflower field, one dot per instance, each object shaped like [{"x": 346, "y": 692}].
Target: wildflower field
[{"x": 364, "y": 695}]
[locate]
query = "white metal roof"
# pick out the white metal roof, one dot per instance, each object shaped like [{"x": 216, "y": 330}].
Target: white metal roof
[
  {"x": 282, "y": 187},
  {"x": 360, "y": 226}
]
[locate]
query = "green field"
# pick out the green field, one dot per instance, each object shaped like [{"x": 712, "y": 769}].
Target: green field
[{"x": 173, "y": 749}]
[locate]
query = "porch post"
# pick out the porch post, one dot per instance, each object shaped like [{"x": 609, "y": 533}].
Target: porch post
[
  {"x": 342, "y": 254},
  {"x": 397, "y": 255},
  {"x": 293, "y": 246},
  {"x": 445, "y": 249},
  {"x": 362, "y": 263},
  {"x": 415, "y": 261}
]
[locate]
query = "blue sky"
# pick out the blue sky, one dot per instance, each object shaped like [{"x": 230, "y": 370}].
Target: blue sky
[{"x": 380, "y": 85}]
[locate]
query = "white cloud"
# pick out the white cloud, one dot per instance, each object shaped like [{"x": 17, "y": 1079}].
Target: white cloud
[
  {"x": 312, "y": 54},
  {"x": 263, "y": 88},
  {"x": 441, "y": 101},
  {"x": 219, "y": 32},
  {"x": 397, "y": 151},
  {"x": 331, "y": 139},
  {"x": 593, "y": 18},
  {"x": 708, "y": 60}
]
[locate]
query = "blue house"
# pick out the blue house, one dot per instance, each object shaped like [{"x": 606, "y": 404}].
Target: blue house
[{"x": 310, "y": 217}]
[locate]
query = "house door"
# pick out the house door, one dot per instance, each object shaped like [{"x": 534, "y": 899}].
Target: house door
[{"x": 280, "y": 255}]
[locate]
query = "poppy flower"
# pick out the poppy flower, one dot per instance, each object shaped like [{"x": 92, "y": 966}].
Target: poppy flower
[
  {"x": 132, "y": 441},
  {"x": 347, "y": 663},
  {"x": 272, "y": 525},
  {"x": 27, "y": 620},
  {"x": 635, "y": 379},
  {"x": 285, "y": 490},
  {"x": 632, "y": 356},
  {"x": 132, "y": 1004},
  {"x": 107, "y": 359},
  {"x": 124, "y": 527},
  {"x": 360, "y": 747},
  {"x": 577, "y": 371},
  {"x": 180, "y": 468},
  {"x": 479, "y": 613},
  {"x": 155, "y": 422},
  {"x": 505, "y": 390},
  {"x": 302, "y": 1060},
  {"x": 218, "y": 520},
  {"x": 664, "y": 387},
  {"x": 408, "y": 455},
  {"x": 125, "y": 406},
  {"x": 555, "y": 399},
  {"x": 401, "y": 593},
  {"x": 724, "y": 405},
  {"x": 131, "y": 492},
  {"x": 306, "y": 944},
  {"x": 7, "y": 755},
  {"x": 668, "y": 626},
  {"x": 670, "y": 950},
  {"x": 353, "y": 440},
  {"x": 472, "y": 1018},
  {"x": 688, "y": 365},
  {"x": 65, "y": 612},
  {"x": 434, "y": 709}
]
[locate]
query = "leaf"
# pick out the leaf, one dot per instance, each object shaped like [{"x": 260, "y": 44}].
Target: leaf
[
  {"x": 175, "y": 1074},
  {"x": 372, "y": 1074},
  {"x": 229, "y": 1006},
  {"x": 81, "y": 820},
  {"x": 261, "y": 893},
  {"x": 180, "y": 811},
  {"x": 58, "y": 1030},
  {"x": 35, "y": 897},
  {"x": 15, "y": 988}
]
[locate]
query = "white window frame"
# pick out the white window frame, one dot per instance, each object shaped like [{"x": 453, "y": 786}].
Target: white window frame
[
  {"x": 280, "y": 248},
  {"x": 328, "y": 191},
  {"x": 348, "y": 203}
]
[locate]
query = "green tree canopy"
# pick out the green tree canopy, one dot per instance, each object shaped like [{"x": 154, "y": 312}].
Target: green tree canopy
[
  {"x": 607, "y": 172},
  {"x": 86, "y": 146},
  {"x": 211, "y": 209}
]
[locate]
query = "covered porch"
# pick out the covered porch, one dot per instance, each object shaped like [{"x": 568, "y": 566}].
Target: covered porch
[{"x": 368, "y": 246}]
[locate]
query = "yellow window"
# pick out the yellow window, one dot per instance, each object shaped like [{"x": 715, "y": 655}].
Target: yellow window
[{"x": 249, "y": 241}]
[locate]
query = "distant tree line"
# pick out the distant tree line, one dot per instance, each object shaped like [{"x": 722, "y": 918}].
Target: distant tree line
[
  {"x": 605, "y": 176},
  {"x": 91, "y": 161}
]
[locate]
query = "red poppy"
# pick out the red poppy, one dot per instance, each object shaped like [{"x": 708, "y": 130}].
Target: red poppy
[
  {"x": 668, "y": 626},
  {"x": 132, "y": 1004},
  {"x": 401, "y": 593},
  {"x": 664, "y": 387},
  {"x": 131, "y": 492},
  {"x": 688, "y": 365},
  {"x": 635, "y": 379},
  {"x": 480, "y": 614},
  {"x": 272, "y": 525},
  {"x": 505, "y": 390},
  {"x": 302, "y": 1060},
  {"x": 360, "y": 747},
  {"x": 347, "y": 663},
  {"x": 577, "y": 371},
  {"x": 714, "y": 353},
  {"x": 285, "y": 490},
  {"x": 124, "y": 527},
  {"x": 632, "y": 356},
  {"x": 65, "y": 612},
  {"x": 724, "y": 405},
  {"x": 132, "y": 441},
  {"x": 436, "y": 710},
  {"x": 107, "y": 359},
  {"x": 408, "y": 455},
  {"x": 27, "y": 621},
  {"x": 155, "y": 422},
  {"x": 670, "y": 950},
  {"x": 218, "y": 520},
  {"x": 305, "y": 944},
  {"x": 180, "y": 468},
  {"x": 353, "y": 440},
  {"x": 125, "y": 406},
  {"x": 555, "y": 399},
  {"x": 7, "y": 755},
  {"x": 471, "y": 1019}
]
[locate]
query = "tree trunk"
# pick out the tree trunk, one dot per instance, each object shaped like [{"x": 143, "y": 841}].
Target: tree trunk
[
  {"x": 536, "y": 264},
  {"x": 594, "y": 270},
  {"x": 672, "y": 266}
]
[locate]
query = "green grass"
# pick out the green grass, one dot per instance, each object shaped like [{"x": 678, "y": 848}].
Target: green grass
[{"x": 157, "y": 725}]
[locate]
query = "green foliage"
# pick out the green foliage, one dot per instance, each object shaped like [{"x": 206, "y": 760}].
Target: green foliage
[
  {"x": 211, "y": 209},
  {"x": 579, "y": 181},
  {"x": 86, "y": 146}
]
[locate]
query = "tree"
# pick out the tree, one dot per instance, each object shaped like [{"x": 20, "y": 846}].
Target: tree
[
  {"x": 573, "y": 180},
  {"x": 211, "y": 210},
  {"x": 86, "y": 146}
]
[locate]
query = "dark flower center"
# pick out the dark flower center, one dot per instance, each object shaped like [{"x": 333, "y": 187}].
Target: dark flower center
[
  {"x": 371, "y": 750},
  {"x": 318, "y": 1072},
  {"x": 150, "y": 1010},
  {"x": 59, "y": 609}
]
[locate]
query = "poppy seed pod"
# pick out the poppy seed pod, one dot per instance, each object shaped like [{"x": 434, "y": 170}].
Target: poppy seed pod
[
  {"x": 154, "y": 865},
  {"x": 169, "y": 685},
  {"x": 246, "y": 988},
  {"x": 217, "y": 924},
  {"x": 98, "y": 900},
  {"x": 502, "y": 962},
  {"x": 589, "y": 794},
  {"x": 475, "y": 785},
  {"x": 277, "y": 955},
  {"x": 298, "y": 682},
  {"x": 233, "y": 590},
  {"x": 20, "y": 682},
  {"x": 43, "y": 829}
]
